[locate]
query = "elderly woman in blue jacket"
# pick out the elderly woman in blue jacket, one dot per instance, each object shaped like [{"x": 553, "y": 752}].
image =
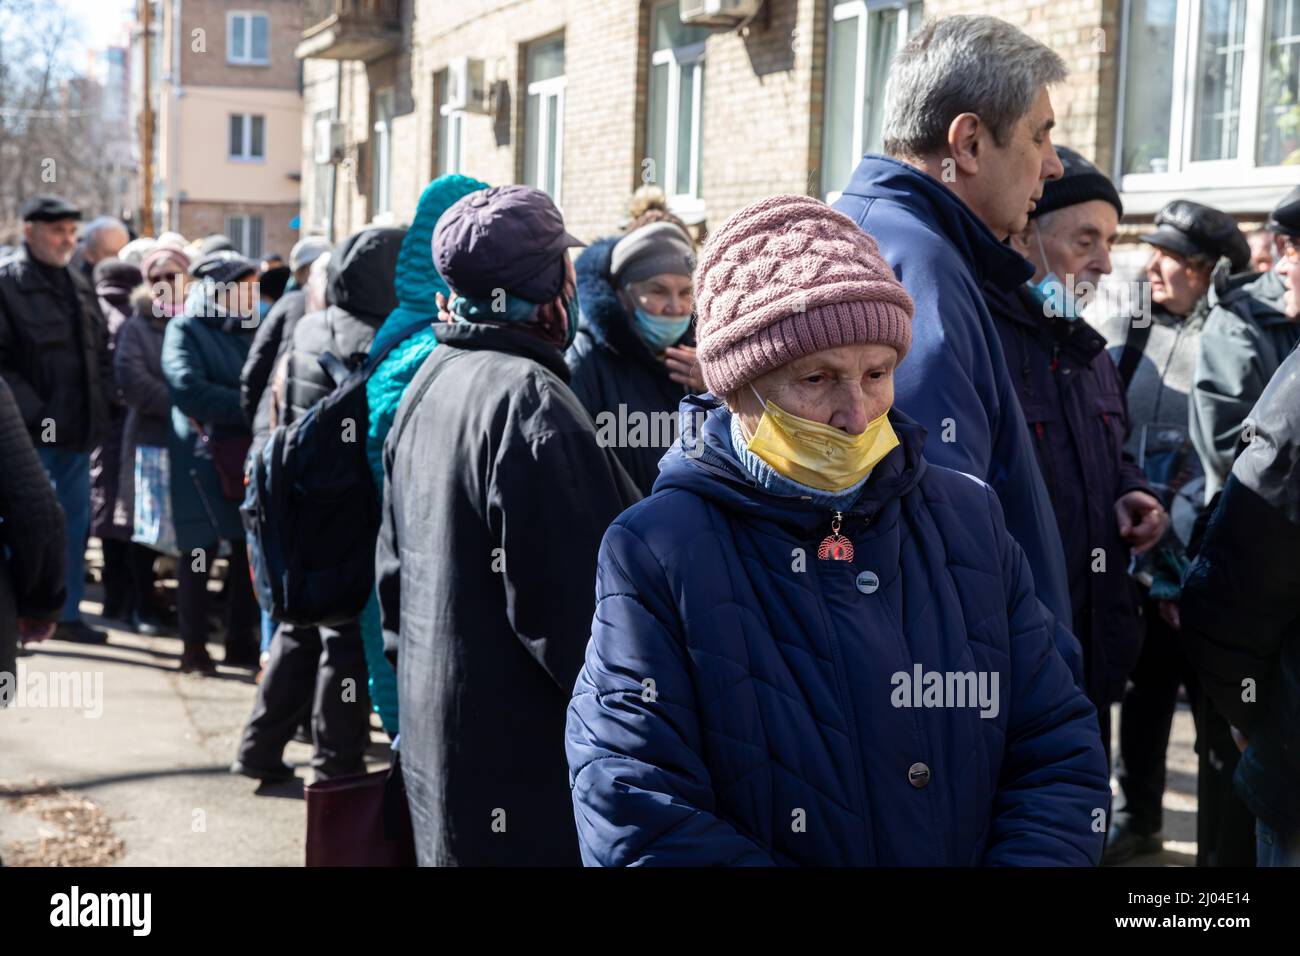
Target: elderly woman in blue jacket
[
  {"x": 633, "y": 358},
  {"x": 810, "y": 646}
]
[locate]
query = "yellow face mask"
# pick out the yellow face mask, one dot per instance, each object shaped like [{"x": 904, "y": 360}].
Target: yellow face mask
[{"x": 819, "y": 456}]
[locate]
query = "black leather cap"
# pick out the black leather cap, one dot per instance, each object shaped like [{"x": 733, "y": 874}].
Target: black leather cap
[
  {"x": 48, "y": 209},
  {"x": 1286, "y": 215},
  {"x": 223, "y": 266},
  {"x": 1191, "y": 229}
]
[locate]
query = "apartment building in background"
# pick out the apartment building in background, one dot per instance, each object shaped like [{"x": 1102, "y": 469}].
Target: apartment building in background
[
  {"x": 720, "y": 102},
  {"x": 229, "y": 133}
]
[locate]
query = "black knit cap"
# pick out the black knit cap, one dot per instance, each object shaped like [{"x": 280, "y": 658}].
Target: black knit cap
[{"x": 1081, "y": 182}]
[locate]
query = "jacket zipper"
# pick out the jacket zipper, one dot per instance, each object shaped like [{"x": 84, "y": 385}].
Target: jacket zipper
[{"x": 841, "y": 690}]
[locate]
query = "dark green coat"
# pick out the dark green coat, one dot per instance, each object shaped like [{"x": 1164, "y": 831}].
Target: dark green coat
[{"x": 201, "y": 360}]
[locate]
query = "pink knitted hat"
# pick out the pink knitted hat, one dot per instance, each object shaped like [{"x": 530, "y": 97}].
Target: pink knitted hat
[{"x": 785, "y": 277}]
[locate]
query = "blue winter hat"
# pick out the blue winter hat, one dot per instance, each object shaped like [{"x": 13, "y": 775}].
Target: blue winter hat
[{"x": 506, "y": 237}]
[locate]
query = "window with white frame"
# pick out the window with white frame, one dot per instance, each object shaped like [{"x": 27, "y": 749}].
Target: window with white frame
[
  {"x": 247, "y": 137},
  {"x": 674, "y": 109},
  {"x": 381, "y": 197},
  {"x": 245, "y": 232},
  {"x": 451, "y": 130},
  {"x": 544, "y": 115},
  {"x": 1211, "y": 88},
  {"x": 247, "y": 39},
  {"x": 864, "y": 36}
]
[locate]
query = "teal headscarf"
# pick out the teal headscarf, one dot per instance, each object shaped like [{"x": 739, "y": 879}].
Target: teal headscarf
[{"x": 410, "y": 325}]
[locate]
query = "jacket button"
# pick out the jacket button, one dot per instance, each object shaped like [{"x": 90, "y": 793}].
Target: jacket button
[
  {"x": 918, "y": 775},
  {"x": 867, "y": 582}
]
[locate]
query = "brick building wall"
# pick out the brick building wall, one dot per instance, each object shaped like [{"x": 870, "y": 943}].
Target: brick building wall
[
  {"x": 209, "y": 66},
  {"x": 198, "y": 219},
  {"x": 762, "y": 98}
]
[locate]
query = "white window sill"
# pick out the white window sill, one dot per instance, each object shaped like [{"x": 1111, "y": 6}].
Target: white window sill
[
  {"x": 689, "y": 209},
  {"x": 250, "y": 160},
  {"x": 1144, "y": 194}
]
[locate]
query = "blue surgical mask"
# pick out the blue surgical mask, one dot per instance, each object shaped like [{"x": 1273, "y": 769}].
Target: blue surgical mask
[
  {"x": 659, "y": 333},
  {"x": 1051, "y": 291},
  {"x": 1051, "y": 294}
]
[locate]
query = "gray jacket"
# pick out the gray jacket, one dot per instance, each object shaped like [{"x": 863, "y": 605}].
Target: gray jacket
[
  {"x": 1159, "y": 403},
  {"x": 1246, "y": 337}
]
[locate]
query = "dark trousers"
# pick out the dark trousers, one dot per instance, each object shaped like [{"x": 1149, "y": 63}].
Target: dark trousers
[
  {"x": 1146, "y": 719},
  {"x": 128, "y": 579},
  {"x": 1225, "y": 829},
  {"x": 194, "y": 602},
  {"x": 140, "y": 562},
  {"x": 117, "y": 578},
  {"x": 319, "y": 671}
]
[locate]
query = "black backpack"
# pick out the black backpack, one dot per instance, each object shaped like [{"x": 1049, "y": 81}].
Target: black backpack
[{"x": 311, "y": 509}]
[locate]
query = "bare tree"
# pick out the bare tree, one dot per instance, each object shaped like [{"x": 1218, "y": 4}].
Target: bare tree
[{"x": 50, "y": 129}]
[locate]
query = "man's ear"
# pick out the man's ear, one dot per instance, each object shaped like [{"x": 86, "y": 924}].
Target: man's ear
[{"x": 964, "y": 134}]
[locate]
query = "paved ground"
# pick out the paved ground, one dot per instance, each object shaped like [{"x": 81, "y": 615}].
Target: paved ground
[{"x": 146, "y": 782}]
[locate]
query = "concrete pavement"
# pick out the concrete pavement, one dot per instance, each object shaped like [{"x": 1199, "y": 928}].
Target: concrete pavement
[{"x": 153, "y": 764}]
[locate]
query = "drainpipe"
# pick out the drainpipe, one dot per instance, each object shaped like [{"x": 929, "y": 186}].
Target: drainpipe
[
  {"x": 334, "y": 168},
  {"x": 173, "y": 133}
]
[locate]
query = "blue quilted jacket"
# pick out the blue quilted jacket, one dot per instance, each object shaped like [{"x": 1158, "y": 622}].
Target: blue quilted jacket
[{"x": 744, "y": 702}]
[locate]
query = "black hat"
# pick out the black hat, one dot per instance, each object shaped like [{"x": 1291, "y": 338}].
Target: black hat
[
  {"x": 48, "y": 209},
  {"x": 115, "y": 272},
  {"x": 1190, "y": 229},
  {"x": 1285, "y": 219},
  {"x": 506, "y": 237},
  {"x": 224, "y": 266},
  {"x": 1081, "y": 182},
  {"x": 273, "y": 280}
]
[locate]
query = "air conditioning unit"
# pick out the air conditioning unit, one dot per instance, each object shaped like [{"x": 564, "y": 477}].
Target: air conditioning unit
[
  {"x": 327, "y": 142},
  {"x": 467, "y": 87},
  {"x": 718, "y": 13}
]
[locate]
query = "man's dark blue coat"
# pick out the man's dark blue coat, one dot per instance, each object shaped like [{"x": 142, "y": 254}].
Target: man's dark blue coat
[{"x": 955, "y": 381}]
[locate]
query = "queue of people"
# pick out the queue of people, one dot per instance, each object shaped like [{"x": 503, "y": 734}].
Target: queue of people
[{"x": 830, "y": 541}]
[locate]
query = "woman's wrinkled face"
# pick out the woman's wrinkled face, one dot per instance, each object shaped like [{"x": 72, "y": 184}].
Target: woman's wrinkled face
[
  {"x": 845, "y": 387},
  {"x": 667, "y": 296},
  {"x": 1177, "y": 282}
]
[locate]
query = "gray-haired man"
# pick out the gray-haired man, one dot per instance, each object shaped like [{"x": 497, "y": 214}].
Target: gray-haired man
[{"x": 967, "y": 129}]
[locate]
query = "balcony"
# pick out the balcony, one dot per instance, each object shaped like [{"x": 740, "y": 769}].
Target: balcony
[{"x": 350, "y": 29}]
